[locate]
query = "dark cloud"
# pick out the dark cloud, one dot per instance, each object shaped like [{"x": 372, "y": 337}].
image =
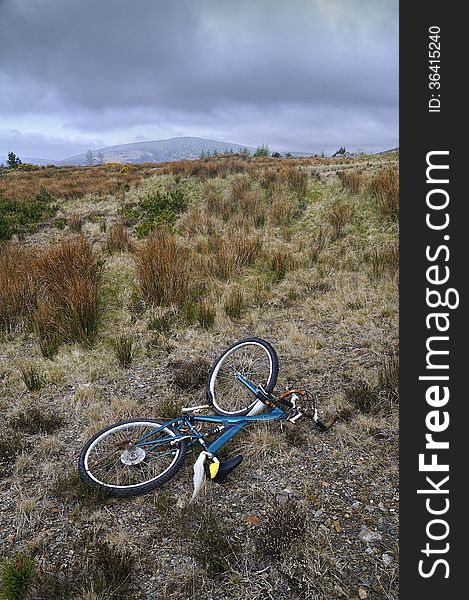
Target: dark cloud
[{"x": 203, "y": 67}]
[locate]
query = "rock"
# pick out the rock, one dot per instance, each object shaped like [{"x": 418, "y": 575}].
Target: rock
[
  {"x": 362, "y": 593},
  {"x": 367, "y": 535},
  {"x": 387, "y": 559},
  {"x": 337, "y": 526},
  {"x": 252, "y": 520}
]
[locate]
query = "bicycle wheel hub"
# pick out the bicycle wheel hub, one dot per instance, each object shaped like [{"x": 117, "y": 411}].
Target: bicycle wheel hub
[{"x": 133, "y": 456}]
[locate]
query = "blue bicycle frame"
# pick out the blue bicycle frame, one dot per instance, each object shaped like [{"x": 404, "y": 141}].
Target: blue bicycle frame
[{"x": 231, "y": 425}]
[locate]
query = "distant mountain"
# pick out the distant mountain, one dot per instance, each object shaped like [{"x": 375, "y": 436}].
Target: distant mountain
[{"x": 172, "y": 149}]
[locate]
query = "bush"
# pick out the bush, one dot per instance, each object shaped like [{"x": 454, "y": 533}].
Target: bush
[
  {"x": 17, "y": 216},
  {"x": 157, "y": 211}
]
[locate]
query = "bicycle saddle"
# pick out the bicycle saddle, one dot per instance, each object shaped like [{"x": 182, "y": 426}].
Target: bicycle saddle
[{"x": 226, "y": 467}]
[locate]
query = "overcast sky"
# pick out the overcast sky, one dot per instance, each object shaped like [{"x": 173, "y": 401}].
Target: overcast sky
[{"x": 304, "y": 75}]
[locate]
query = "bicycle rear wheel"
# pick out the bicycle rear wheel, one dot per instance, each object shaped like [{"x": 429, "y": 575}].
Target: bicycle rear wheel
[
  {"x": 253, "y": 358},
  {"x": 132, "y": 457}
]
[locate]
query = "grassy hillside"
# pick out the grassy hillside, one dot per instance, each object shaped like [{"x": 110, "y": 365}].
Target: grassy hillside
[{"x": 119, "y": 286}]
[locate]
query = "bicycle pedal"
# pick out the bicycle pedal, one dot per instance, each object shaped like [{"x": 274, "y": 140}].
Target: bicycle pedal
[{"x": 295, "y": 418}]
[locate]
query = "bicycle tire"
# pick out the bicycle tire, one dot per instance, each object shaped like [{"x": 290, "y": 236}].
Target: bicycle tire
[
  {"x": 226, "y": 395},
  {"x": 179, "y": 449}
]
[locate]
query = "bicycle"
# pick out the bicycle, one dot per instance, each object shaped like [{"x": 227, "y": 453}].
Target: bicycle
[{"x": 136, "y": 456}]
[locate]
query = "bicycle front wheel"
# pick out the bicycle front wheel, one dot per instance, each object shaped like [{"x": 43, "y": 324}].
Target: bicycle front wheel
[
  {"x": 132, "y": 457},
  {"x": 253, "y": 358}
]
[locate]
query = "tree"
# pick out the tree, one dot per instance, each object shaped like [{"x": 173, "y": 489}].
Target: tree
[
  {"x": 13, "y": 160},
  {"x": 276, "y": 155},
  {"x": 262, "y": 150},
  {"x": 100, "y": 158},
  {"x": 89, "y": 158}
]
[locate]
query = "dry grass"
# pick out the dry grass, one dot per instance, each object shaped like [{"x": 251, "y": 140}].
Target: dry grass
[
  {"x": 71, "y": 182},
  {"x": 279, "y": 262},
  {"x": 75, "y": 222},
  {"x": 384, "y": 187},
  {"x": 298, "y": 182},
  {"x": 17, "y": 286},
  {"x": 234, "y": 303},
  {"x": 385, "y": 261},
  {"x": 124, "y": 349},
  {"x": 68, "y": 278},
  {"x": 331, "y": 315},
  {"x": 352, "y": 180},
  {"x": 117, "y": 238},
  {"x": 237, "y": 249},
  {"x": 286, "y": 526},
  {"x": 339, "y": 215},
  {"x": 32, "y": 377},
  {"x": 163, "y": 271}
]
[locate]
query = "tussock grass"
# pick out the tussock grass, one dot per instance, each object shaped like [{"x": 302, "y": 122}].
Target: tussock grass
[
  {"x": 71, "y": 182},
  {"x": 279, "y": 261},
  {"x": 298, "y": 182},
  {"x": 384, "y": 187},
  {"x": 68, "y": 278},
  {"x": 339, "y": 215},
  {"x": 385, "y": 261},
  {"x": 238, "y": 248},
  {"x": 17, "y": 577},
  {"x": 190, "y": 374},
  {"x": 124, "y": 349},
  {"x": 33, "y": 418},
  {"x": 18, "y": 292},
  {"x": 234, "y": 303},
  {"x": 117, "y": 238},
  {"x": 75, "y": 222},
  {"x": 56, "y": 289},
  {"x": 170, "y": 406},
  {"x": 318, "y": 242},
  {"x": 163, "y": 271},
  {"x": 382, "y": 396},
  {"x": 352, "y": 180},
  {"x": 205, "y": 314},
  {"x": 285, "y": 527},
  {"x": 32, "y": 377},
  {"x": 281, "y": 211}
]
